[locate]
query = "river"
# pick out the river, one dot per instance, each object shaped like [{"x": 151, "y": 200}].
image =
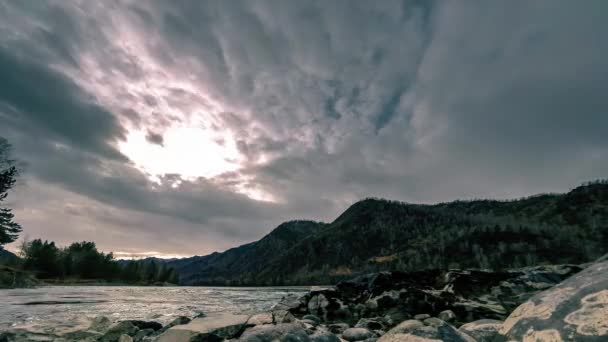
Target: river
[{"x": 44, "y": 308}]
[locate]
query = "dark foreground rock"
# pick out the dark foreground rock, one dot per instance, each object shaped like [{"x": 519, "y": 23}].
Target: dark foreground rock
[
  {"x": 458, "y": 296},
  {"x": 575, "y": 310},
  {"x": 484, "y": 330},
  {"x": 432, "y": 329}
]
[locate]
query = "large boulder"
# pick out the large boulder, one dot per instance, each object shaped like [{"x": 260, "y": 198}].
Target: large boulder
[
  {"x": 211, "y": 327},
  {"x": 483, "y": 330},
  {"x": 181, "y": 320},
  {"x": 114, "y": 333},
  {"x": 432, "y": 329},
  {"x": 574, "y": 310},
  {"x": 283, "y": 332},
  {"x": 292, "y": 303}
]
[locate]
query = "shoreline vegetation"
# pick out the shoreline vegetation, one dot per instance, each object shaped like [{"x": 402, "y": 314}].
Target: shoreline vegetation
[{"x": 42, "y": 263}]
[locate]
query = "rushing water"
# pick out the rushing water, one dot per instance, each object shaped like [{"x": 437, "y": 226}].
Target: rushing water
[{"x": 70, "y": 306}]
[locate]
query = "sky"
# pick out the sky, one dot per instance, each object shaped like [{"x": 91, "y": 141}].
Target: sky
[{"x": 177, "y": 128}]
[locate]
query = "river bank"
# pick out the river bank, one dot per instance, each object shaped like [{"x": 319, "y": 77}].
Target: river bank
[{"x": 552, "y": 303}]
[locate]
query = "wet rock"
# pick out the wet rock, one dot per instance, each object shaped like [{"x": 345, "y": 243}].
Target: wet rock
[
  {"x": 212, "y": 327},
  {"x": 576, "y": 309},
  {"x": 125, "y": 338},
  {"x": 447, "y": 316},
  {"x": 291, "y": 303},
  {"x": 317, "y": 304},
  {"x": 484, "y": 330},
  {"x": 261, "y": 318},
  {"x": 337, "y": 328},
  {"x": 181, "y": 320},
  {"x": 283, "y": 332},
  {"x": 322, "y": 335},
  {"x": 433, "y": 329},
  {"x": 141, "y": 335},
  {"x": 146, "y": 324},
  {"x": 100, "y": 324},
  {"x": 119, "y": 329},
  {"x": 312, "y": 318},
  {"x": 357, "y": 334},
  {"x": 282, "y": 316},
  {"x": 376, "y": 323}
]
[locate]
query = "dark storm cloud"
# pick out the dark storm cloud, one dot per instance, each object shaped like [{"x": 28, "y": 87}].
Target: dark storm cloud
[
  {"x": 327, "y": 102},
  {"x": 45, "y": 102}
]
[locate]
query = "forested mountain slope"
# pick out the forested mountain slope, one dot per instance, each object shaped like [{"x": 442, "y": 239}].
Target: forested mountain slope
[{"x": 376, "y": 234}]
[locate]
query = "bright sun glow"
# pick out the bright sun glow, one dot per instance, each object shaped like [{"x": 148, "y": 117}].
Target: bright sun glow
[{"x": 186, "y": 151}]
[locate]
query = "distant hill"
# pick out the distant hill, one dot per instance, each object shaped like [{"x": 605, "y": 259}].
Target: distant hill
[
  {"x": 7, "y": 257},
  {"x": 376, "y": 234},
  {"x": 241, "y": 265}
]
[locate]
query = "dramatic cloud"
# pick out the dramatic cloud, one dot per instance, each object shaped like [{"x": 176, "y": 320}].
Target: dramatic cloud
[{"x": 181, "y": 128}]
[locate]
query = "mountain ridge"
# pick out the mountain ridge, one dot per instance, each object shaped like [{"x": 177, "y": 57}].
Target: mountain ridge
[{"x": 376, "y": 234}]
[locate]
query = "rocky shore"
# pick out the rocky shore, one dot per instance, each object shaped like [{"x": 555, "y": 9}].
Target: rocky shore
[{"x": 544, "y": 303}]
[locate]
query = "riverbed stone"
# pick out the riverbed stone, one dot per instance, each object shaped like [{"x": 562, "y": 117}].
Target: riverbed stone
[
  {"x": 283, "y": 332},
  {"x": 375, "y": 323},
  {"x": 337, "y": 328},
  {"x": 220, "y": 326},
  {"x": 323, "y": 336},
  {"x": 121, "y": 328},
  {"x": 100, "y": 324},
  {"x": 357, "y": 334},
  {"x": 181, "y": 320},
  {"x": 483, "y": 330},
  {"x": 125, "y": 338},
  {"x": 282, "y": 316},
  {"x": 433, "y": 329},
  {"x": 447, "y": 316},
  {"x": 260, "y": 318}
]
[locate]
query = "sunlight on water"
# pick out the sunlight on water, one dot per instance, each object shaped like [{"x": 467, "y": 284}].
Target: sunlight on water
[{"x": 41, "y": 308}]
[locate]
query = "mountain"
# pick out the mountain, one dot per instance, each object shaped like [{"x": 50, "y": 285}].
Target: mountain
[
  {"x": 7, "y": 257},
  {"x": 375, "y": 235},
  {"x": 240, "y": 265}
]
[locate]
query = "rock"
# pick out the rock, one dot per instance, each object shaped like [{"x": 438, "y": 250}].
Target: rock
[
  {"x": 100, "y": 324},
  {"x": 181, "y": 320},
  {"x": 82, "y": 335},
  {"x": 394, "y": 316},
  {"x": 291, "y": 303},
  {"x": 484, "y": 330},
  {"x": 142, "y": 334},
  {"x": 422, "y": 317},
  {"x": 147, "y": 324},
  {"x": 209, "y": 328},
  {"x": 337, "y": 328},
  {"x": 576, "y": 309},
  {"x": 433, "y": 329},
  {"x": 357, "y": 334},
  {"x": 119, "y": 329},
  {"x": 323, "y": 336},
  {"x": 447, "y": 316},
  {"x": 376, "y": 323},
  {"x": 125, "y": 338},
  {"x": 261, "y": 318},
  {"x": 282, "y": 316},
  {"x": 313, "y": 318},
  {"x": 317, "y": 304},
  {"x": 284, "y": 332}
]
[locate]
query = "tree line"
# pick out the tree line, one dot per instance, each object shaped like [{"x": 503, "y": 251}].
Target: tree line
[{"x": 82, "y": 260}]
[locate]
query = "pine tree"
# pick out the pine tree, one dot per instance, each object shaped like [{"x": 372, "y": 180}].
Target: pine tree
[{"x": 9, "y": 230}]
